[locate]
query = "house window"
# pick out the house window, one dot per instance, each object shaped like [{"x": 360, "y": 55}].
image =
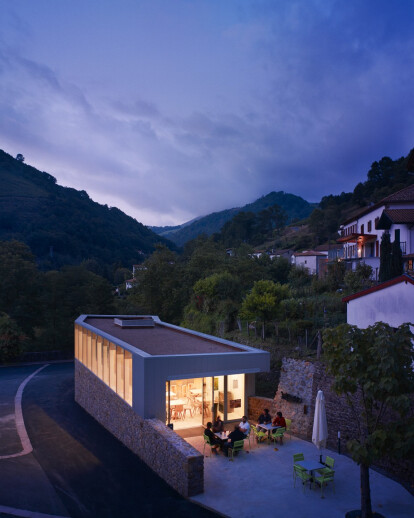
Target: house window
[
  {"x": 369, "y": 226},
  {"x": 362, "y": 229},
  {"x": 376, "y": 223},
  {"x": 397, "y": 234}
]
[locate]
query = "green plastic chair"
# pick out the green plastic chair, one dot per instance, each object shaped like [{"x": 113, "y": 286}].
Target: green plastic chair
[
  {"x": 323, "y": 481},
  {"x": 278, "y": 435},
  {"x": 329, "y": 461},
  {"x": 258, "y": 435},
  {"x": 237, "y": 446},
  {"x": 301, "y": 473},
  {"x": 297, "y": 457},
  {"x": 207, "y": 441},
  {"x": 248, "y": 437},
  {"x": 288, "y": 426}
]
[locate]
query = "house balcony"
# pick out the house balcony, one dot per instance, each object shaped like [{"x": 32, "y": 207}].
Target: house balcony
[{"x": 356, "y": 237}]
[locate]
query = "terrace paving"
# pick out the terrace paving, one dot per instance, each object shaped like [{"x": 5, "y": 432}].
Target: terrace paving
[{"x": 260, "y": 483}]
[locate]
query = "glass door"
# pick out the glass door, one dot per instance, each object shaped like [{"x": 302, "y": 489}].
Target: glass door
[{"x": 208, "y": 410}]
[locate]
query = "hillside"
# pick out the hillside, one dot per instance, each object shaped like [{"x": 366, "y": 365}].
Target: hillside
[
  {"x": 294, "y": 206},
  {"x": 63, "y": 225}
]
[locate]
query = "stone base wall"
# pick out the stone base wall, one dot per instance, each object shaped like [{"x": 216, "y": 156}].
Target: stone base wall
[{"x": 170, "y": 456}]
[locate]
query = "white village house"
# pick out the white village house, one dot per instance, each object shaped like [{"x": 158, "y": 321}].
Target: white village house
[
  {"x": 361, "y": 234},
  {"x": 391, "y": 302},
  {"x": 310, "y": 259}
]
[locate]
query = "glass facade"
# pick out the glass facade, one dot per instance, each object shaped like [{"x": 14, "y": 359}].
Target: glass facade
[
  {"x": 108, "y": 361},
  {"x": 194, "y": 402}
]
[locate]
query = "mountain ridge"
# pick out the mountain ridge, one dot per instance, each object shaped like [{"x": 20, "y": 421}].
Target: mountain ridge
[
  {"x": 294, "y": 206},
  {"x": 65, "y": 226}
]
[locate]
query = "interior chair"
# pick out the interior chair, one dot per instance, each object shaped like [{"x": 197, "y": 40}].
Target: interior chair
[
  {"x": 207, "y": 441},
  {"x": 179, "y": 411},
  {"x": 302, "y": 474},
  {"x": 188, "y": 407},
  {"x": 237, "y": 446},
  {"x": 198, "y": 407},
  {"x": 323, "y": 480}
]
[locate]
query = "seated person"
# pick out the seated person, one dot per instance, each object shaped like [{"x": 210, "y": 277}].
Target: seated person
[
  {"x": 279, "y": 420},
  {"x": 264, "y": 417},
  {"x": 218, "y": 425},
  {"x": 245, "y": 426},
  {"x": 236, "y": 435},
  {"x": 215, "y": 443}
]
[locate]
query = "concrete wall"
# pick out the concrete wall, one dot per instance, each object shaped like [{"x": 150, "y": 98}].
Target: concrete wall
[
  {"x": 172, "y": 458},
  {"x": 159, "y": 369},
  {"x": 392, "y": 305}
]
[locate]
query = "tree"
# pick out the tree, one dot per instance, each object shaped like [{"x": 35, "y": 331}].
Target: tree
[
  {"x": 11, "y": 338},
  {"x": 358, "y": 279},
  {"x": 385, "y": 258},
  {"x": 160, "y": 288},
  {"x": 19, "y": 157},
  {"x": 264, "y": 301},
  {"x": 20, "y": 285},
  {"x": 397, "y": 267},
  {"x": 373, "y": 368}
]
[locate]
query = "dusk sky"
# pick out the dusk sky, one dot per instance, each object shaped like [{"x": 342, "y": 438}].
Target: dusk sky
[{"x": 173, "y": 109}]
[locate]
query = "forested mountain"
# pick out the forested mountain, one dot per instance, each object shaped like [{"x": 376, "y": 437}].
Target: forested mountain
[
  {"x": 385, "y": 177},
  {"x": 64, "y": 226},
  {"x": 295, "y": 207}
]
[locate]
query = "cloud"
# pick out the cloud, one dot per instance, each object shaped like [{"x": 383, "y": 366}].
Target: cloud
[{"x": 299, "y": 96}]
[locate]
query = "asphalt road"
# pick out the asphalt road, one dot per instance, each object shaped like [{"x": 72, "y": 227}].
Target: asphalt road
[{"x": 91, "y": 473}]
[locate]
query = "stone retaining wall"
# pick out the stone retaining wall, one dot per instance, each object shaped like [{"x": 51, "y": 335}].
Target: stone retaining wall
[
  {"x": 303, "y": 379},
  {"x": 170, "y": 456}
]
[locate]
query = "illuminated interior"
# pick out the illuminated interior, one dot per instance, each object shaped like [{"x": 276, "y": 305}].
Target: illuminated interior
[
  {"x": 195, "y": 401},
  {"x": 108, "y": 361}
]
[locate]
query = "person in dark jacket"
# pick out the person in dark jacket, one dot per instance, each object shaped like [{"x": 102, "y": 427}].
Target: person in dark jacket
[
  {"x": 215, "y": 443},
  {"x": 218, "y": 425},
  {"x": 264, "y": 417},
  {"x": 236, "y": 435}
]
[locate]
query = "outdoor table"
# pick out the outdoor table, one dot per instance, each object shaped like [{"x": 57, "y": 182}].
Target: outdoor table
[
  {"x": 222, "y": 437},
  {"x": 311, "y": 466},
  {"x": 269, "y": 427}
]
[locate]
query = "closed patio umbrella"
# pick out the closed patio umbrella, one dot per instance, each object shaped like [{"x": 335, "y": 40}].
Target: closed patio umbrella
[{"x": 320, "y": 426}]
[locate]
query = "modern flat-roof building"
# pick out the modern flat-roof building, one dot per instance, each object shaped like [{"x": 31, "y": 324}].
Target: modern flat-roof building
[{"x": 136, "y": 374}]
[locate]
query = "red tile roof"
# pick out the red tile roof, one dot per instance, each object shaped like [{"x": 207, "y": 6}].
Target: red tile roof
[
  {"x": 406, "y": 194},
  {"x": 403, "y": 196},
  {"x": 402, "y": 278},
  {"x": 400, "y": 215}
]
